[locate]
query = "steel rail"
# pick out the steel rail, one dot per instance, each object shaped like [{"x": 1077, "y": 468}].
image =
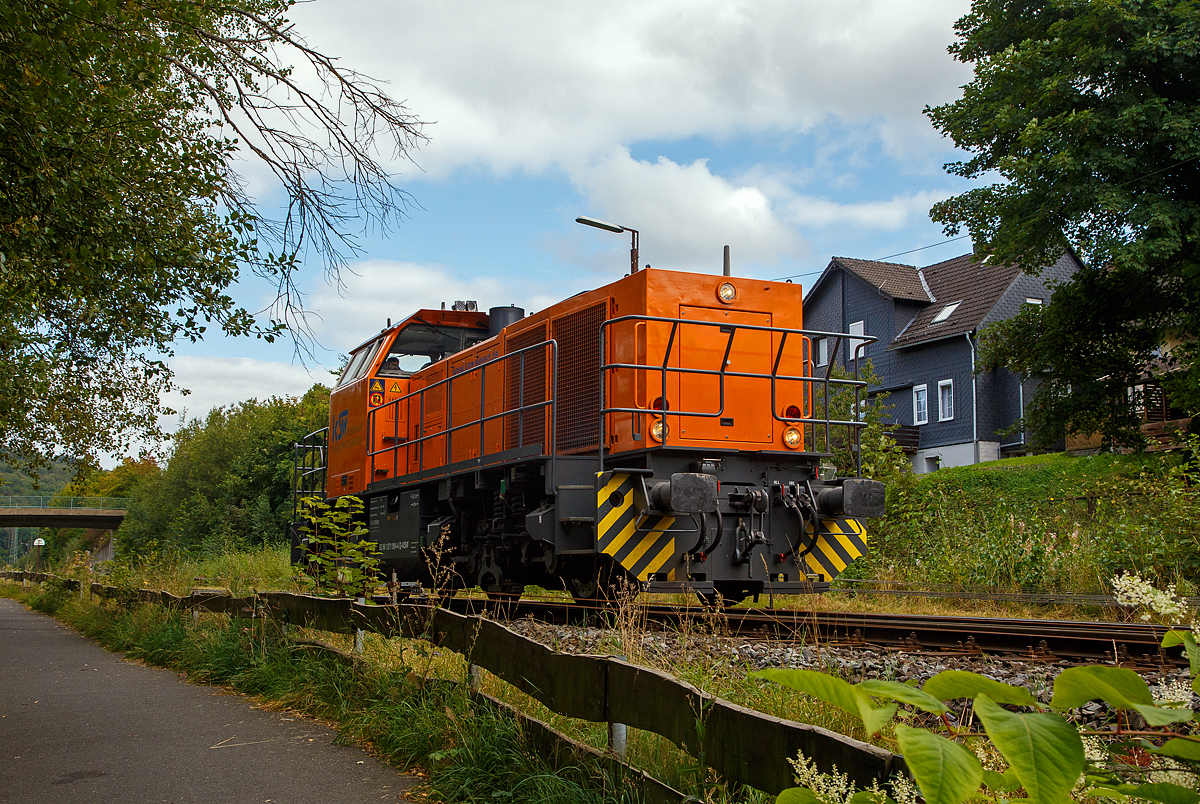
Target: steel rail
[{"x": 1036, "y": 640}]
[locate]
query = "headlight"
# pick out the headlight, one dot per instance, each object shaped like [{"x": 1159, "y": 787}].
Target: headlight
[
  {"x": 792, "y": 437},
  {"x": 726, "y": 292},
  {"x": 659, "y": 430}
]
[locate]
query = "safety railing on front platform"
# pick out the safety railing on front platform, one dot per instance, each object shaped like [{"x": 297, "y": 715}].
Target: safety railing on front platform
[
  {"x": 308, "y": 468},
  {"x": 408, "y": 443},
  {"x": 101, "y": 503},
  {"x": 814, "y": 387}
]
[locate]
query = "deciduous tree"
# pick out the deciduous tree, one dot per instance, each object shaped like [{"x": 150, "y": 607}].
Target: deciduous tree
[
  {"x": 1089, "y": 112},
  {"x": 123, "y": 219}
]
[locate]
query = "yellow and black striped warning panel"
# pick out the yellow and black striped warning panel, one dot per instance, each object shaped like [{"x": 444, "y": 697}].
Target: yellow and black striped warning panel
[
  {"x": 839, "y": 542},
  {"x": 644, "y": 545}
]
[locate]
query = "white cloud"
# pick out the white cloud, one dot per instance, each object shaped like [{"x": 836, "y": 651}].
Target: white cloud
[
  {"x": 890, "y": 215},
  {"x": 691, "y": 212},
  {"x": 534, "y": 83},
  {"x": 688, "y": 213},
  {"x": 216, "y": 381}
]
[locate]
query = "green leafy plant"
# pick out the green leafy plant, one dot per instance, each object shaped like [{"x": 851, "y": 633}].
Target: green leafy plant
[
  {"x": 337, "y": 561},
  {"x": 1152, "y": 754}
]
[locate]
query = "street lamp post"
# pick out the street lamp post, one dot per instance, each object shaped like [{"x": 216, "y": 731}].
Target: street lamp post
[{"x": 612, "y": 227}]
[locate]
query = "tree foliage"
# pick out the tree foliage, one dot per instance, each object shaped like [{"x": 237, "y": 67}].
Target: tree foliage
[
  {"x": 227, "y": 483},
  {"x": 123, "y": 221},
  {"x": 1090, "y": 113}
]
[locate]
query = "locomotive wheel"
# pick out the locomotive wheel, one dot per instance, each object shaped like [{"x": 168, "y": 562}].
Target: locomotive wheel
[
  {"x": 587, "y": 593},
  {"x": 593, "y": 588}
]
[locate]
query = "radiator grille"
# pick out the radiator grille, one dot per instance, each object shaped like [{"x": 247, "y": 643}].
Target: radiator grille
[
  {"x": 533, "y": 429},
  {"x": 578, "y": 337}
]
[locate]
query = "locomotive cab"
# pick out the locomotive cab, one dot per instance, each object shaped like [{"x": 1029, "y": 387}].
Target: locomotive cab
[{"x": 378, "y": 373}]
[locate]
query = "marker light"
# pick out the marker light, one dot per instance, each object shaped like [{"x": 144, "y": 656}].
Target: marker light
[
  {"x": 726, "y": 292},
  {"x": 659, "y": 430},
  {"x": 660, "y": 404},
  {"x": 792, "y": 412},
  {"x": 792, "y": 438}
]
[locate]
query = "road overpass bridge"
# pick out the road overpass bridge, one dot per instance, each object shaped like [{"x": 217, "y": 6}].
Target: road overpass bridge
[{"x": 62, "y": 512}]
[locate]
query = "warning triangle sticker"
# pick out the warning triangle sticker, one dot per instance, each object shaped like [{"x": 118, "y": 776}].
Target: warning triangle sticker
[
  {"x": 396, "y": 389},
  {"x": 376, "y": 385}
]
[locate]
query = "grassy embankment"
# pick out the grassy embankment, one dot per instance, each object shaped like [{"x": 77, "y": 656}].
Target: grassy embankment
[{"x": 1048, "y": 522}]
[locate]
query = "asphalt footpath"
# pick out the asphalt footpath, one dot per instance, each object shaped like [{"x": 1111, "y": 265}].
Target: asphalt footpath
[{"x": 80, "y": 725}]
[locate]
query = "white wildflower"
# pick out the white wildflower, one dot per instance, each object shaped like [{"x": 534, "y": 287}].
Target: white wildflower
[
  {"x": 904, "y": 791},
  {"x": 988, "y": 756},
  {"x": 1133, "y": 591},
  {"x": 1173, "y": 693},
  {"x": 831, "y": 788},
  {"x": 1094, "y": 749},
  {"x": 1169, "y": 771},
  {"x": 835, "y": 788}
]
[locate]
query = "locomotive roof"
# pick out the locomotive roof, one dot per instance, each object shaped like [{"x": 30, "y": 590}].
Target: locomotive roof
[{"x": 437, "y": 318}]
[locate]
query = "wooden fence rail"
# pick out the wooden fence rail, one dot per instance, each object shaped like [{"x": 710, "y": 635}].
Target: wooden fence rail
[{"x": 744, "y": 746}]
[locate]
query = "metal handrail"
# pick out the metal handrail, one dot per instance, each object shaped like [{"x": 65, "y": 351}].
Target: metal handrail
[
  {"x": 309, "y": 459},
  {"x": 448, "y": 432},
  {"x": 809, "y": 422},
  {"x": 101, "y": 503}
]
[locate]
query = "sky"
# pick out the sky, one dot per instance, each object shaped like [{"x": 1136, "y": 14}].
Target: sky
[{"x": 791, "y": 131}]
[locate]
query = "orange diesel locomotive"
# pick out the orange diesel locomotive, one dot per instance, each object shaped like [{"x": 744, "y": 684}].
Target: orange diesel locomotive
[{"x": 660, "y": 428}]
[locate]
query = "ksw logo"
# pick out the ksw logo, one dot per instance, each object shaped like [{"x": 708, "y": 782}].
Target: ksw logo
[{"x": 339, "y": 429}]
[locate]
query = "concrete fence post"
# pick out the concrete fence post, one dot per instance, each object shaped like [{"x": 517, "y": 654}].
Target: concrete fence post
[
  {"x": 617, "y": 733},
  {"x": 358, "y": 632},
  {"x": 474, "y": 677}
]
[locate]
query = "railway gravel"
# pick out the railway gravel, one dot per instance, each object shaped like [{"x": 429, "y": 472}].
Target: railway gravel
[{"x": 738, "y": 655}]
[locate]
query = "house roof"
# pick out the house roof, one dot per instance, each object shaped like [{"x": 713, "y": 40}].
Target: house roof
[
  {"x": 893, "y": 279},
  {"x": 974, "y": 286}
]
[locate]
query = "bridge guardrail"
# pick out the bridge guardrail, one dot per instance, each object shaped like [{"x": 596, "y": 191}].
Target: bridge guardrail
[{"x": 100, "y": 503}]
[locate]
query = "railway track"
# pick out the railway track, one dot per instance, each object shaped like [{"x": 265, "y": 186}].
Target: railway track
[{"x": 1036, "y": 640}]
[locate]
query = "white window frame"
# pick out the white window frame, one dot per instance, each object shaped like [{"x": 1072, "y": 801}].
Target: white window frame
[
  {"x": 942, "y": 415},
  {"x": 1032, "y": 300},
  {"x": 924, "y": 389},
  {"x": 946, "y": 312},
  {"x": 820, "y": 351},
  {"x": 857, "y": 328}
]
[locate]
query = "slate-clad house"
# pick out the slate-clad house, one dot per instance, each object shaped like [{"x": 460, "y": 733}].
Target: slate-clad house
[{"x": 927, "y": 321}]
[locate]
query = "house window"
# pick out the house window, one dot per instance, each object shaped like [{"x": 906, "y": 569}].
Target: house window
[
  {"x": 821, "y": 351},
  {"x": 857, "y": 328},
  {"x": 945, "y": 400},
  {"x": 945, "y": 313},
  {"x": 1031, "y": 300},
  {"x": 920, "y": 404}
]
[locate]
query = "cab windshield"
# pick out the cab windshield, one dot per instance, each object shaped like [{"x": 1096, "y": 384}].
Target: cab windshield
[
  {"x": 359, "y": 362},
  {"x": 421, "y": 345}
]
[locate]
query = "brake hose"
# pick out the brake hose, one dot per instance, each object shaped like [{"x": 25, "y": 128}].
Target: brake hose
[
  {"x": 699, "y": 553},
  {"x": 803, "y": 516}
]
